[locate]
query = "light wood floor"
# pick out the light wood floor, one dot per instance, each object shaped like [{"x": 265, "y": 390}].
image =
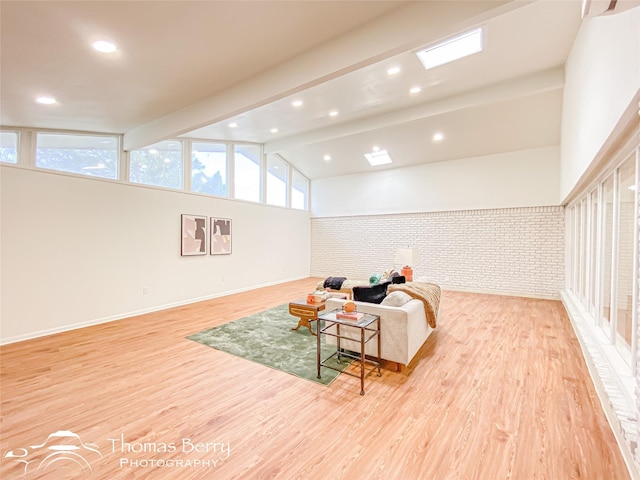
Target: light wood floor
[{"x": 499, "y": 390}]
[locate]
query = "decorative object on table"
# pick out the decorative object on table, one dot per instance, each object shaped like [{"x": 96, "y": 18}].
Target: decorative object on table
[
  {"x": 407, "y": 257},
  {"x": 266, "y": 338},
  {"x": 317, "y": 297},
  {"x": 349, "y": 312},
  {"x": 320, "y": 296},
  {"x": 349, "y": 307},
  {"x": 194, "y": 235},
  {"x": 220, "y": 236}
]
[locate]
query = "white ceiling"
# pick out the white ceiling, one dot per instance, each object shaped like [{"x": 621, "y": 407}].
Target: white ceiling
[{"x": 190, "y": 68}]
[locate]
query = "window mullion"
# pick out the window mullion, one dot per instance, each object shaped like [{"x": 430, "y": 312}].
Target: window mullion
[{"x": 613, "y": 308}]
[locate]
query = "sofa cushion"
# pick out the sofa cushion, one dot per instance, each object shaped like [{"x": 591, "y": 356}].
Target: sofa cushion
[
  {"x": 370, "y": 293},
  {"x": 396, "y": 299}
]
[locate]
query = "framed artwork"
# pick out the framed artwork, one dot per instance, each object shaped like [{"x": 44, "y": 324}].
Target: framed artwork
[
  {"x": 220, "y": 236},
  {"x": 194, "y": 235}
]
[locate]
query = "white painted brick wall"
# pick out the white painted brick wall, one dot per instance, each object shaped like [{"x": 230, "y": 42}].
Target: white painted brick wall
[{"x": 517, "y": 251}]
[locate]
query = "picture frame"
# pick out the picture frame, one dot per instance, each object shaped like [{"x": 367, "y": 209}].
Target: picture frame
[
  {"x": 193, "y": 235},
  {"x": 221, "y": 236}
]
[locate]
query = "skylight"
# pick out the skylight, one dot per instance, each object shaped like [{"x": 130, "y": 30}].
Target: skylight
[
  {"x": 103, "y": 46},
  {"x": 452, "y": 49},
  {"x": 380, "y": 157},
  {"x": 46, "y": 100}
]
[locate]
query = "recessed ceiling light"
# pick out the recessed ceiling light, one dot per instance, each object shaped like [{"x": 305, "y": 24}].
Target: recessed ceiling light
[
  {"x": 103, "y": 46},
  {"x": 274, "y": 130},
  {"x": 437, "y": 137},
  {"x": 375, "y": 148},
  {"x": 327, "y": 158},
  {"x": 380, "y": 157},
  {"x": 297, "y": 103},
  {"x": 452, "y": 49},
  {"x": 333, "y": 113},
  {"x": 46, "y": 100},
  {"x": 414, "y": 90},
  {"x": 233, "y": 125},
  {"x": 393, "y": 70}
]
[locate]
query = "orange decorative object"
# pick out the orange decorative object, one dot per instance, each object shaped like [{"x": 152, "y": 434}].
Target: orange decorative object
[
  {"x": 349, "y": 307},
  {"x": 407, "y": 272},
  {"x": 310, "y": 298}
]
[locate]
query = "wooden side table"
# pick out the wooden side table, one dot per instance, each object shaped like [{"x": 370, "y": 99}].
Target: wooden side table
[{"x": 307, "y": 312}]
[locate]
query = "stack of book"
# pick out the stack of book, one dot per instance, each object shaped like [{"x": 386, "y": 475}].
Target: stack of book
[{"x": 349, "y": 315}]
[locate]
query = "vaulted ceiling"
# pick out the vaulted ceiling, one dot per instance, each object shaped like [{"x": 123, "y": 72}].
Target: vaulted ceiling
[{"x": 192, "y": 68}]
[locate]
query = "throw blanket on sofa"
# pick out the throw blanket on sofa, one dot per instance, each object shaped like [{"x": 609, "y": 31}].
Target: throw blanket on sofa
[
  {"x": 334, "y": 283},
  {"x": 428, "y": 293}
]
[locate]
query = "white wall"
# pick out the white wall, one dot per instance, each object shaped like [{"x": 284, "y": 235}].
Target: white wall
[
  {"x": 602, "y": 78},
  {"x": 78, "y": 251},
  {"x": 516, "y": 179}
]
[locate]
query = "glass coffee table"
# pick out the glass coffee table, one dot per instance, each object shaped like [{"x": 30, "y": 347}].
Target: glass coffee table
[{"x": 361, "y": 330}]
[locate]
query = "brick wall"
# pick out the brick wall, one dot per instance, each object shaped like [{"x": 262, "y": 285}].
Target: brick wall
[{"x": 518, "y": 251}]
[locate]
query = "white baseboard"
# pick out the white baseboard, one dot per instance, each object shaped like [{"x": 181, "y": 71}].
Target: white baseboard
[
  {"x": 113, "y": 318},
  {"x": 498, "y": 292}
]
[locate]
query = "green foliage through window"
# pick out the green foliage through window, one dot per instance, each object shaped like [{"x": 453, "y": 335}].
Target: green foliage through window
[
  {"x": 95, "y": 156},
  {"x": 159, "y": 164}
]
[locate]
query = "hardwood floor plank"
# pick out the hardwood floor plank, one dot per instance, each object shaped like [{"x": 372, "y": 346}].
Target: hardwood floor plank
[{"x": 500, "y": 390}]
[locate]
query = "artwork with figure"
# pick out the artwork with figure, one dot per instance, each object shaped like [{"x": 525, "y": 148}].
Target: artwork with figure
[
  {"x": 194, "y": 235},
  {"x": 220, "y": 236}
]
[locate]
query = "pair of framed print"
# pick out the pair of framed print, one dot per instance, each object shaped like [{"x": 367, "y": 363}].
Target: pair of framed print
[{"x": 195, "y": 233}]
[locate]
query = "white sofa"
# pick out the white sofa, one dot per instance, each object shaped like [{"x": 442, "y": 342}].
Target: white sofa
[{"x": 403, "y": 330}]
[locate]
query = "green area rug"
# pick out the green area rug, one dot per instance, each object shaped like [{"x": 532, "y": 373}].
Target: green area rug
[{"x": 266, "y": 338}]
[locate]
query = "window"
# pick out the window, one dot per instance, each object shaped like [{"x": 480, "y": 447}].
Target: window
[
  {"x": 575, "y": 258},
  {"x": 209, "y": 168},
  {"x": 277, "y": 180},
  {"x": 9, "y": 147},
  {"x": 92, "y": 155},
  {"x": 159, "y": 164},
  {"x": 607, "y": 252},
  {"x": 623, "y": 299},
  {"x": 583, "y": 248},
  {"x": 299, "y": 191},
  {"x": 593, "y": 271},
  {"x": 247, "y": 173}
]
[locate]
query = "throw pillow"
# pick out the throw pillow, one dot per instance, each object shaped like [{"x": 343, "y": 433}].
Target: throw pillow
[
  {"x": 396, "y": 299},
  {"x": 397, "y": 278},
  {"x": 370, "y": 293}
]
